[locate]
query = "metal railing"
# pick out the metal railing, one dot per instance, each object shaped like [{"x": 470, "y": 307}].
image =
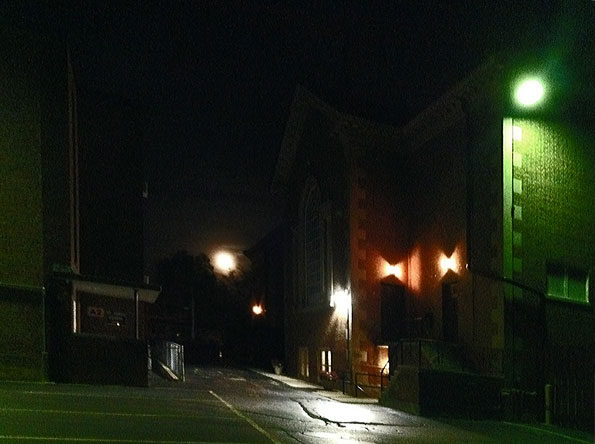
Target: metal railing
[
  {"x": 428, "y": 353},
  {"x": 171, "y": 355},
  {"x": 375, "y": 381},
  {"x": 382, "y": 375}
]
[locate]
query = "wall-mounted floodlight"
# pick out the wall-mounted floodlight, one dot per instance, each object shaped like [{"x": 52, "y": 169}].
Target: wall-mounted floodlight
[
  {"x": 341, "y": 300},
  {"x": 448, "y": 263},
  {"x": 529, "y": 92},
  {"x": 393, "y": 270}
]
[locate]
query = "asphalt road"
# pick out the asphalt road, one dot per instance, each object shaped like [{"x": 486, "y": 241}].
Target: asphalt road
[{"x": 227, "y": 406}]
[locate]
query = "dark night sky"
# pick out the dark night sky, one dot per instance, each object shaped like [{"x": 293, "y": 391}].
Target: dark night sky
[{"x": 214, "y": 81}]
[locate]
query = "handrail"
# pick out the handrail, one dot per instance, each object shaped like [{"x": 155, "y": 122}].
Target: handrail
[
  {"x": 361, "y": 387},
  {"x": 381, "y": 376}
]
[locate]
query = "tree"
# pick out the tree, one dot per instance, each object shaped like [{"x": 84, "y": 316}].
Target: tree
[{"x": 212, "y": 310}]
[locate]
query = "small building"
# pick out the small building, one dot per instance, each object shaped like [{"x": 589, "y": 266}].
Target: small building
[{"x": 458, "y": 247}]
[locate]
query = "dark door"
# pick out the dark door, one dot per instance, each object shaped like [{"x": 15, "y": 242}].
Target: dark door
[
  {"x": 392, "y": 313},
  {"x": 450, "y": 320}
]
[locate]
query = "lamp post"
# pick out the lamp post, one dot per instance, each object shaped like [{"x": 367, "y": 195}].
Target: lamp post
[
  {"x": 341, "y": 301},
  {"x": 257, "y": 310}
]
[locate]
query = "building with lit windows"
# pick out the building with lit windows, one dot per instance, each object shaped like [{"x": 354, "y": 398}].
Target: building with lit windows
[{"x": 463, "y": 243}]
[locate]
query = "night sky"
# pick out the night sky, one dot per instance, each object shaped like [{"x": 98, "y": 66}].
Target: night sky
[{"x": 213, "y": 82}]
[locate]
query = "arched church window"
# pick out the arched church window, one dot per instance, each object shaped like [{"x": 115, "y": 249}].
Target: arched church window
[{"x": 313, "y": 249}]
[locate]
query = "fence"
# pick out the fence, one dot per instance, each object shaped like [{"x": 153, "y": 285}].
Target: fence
[
  {"x": 364, "y": 383},
  {"x": 429, "y": 353},
  {"x": 171, "y": 355}
]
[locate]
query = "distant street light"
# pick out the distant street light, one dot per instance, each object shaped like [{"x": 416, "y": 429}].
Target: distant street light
[{"x": 257, "y": 309}]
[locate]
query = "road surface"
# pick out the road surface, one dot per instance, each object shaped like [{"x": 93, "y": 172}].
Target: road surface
[{"x": 217, "y": 405}]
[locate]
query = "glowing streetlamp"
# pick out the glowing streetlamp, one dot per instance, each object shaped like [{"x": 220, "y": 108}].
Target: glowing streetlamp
[
  {"x": 529, "y": 92},
  {"x": 257, "y": 309}
]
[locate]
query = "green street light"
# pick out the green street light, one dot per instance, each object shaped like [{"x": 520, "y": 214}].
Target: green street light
[{"x": 529, "y": 92}]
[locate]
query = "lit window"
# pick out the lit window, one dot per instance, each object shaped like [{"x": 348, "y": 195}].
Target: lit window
[
  {"x": 303, "y": 362},
  {"x": 567, "y": 283},
  {"x": 326, "y": 363}
]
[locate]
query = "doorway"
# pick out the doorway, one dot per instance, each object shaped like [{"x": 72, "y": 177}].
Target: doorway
[{"x": 450, "y": 317}]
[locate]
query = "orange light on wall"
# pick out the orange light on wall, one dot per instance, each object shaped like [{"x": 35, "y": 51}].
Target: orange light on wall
[
  {"x": 452, "y": 262},
  {"x": 415, "y": 269},
  {"x": 447, "y": 263},
  {"x": 392, "y": 270}
]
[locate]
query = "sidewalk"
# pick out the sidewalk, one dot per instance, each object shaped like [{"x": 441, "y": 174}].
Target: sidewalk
[
  {"x": 335, "y": 395},
  {"x": 547, "y": 433}
]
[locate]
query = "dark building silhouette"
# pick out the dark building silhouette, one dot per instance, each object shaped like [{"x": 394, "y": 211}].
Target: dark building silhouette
[
  {"x": 266, "y": 291},
  {"x": 111, "y": 184},
  {"x": 64, "y": 182}
]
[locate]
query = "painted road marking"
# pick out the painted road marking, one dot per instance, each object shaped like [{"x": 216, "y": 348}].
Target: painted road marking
[
  {"x": 245, "y": 418},
  {"x": 107, "y": 395},
  {"x": 12, "y": 438},
  {"x": 92, "y": 413}
]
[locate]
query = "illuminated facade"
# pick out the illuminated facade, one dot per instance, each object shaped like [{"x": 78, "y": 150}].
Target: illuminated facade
[
  {"x": 339, "y": 245},
  {"x": 465, "y": 238}
]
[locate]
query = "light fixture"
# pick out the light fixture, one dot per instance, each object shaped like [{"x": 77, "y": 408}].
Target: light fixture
[
  {"x": 341, "y": 300},
  {"x": 529, "y": 92},
  {"x": 447, "y": 263},
  {"x": 257, "y": 309},
  {"x": 387, "y": 269}
]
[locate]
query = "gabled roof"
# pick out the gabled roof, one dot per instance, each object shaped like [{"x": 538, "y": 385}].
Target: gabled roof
[
  {"x": 450, "y": 107},
  {"x": 357, "y": 132}
]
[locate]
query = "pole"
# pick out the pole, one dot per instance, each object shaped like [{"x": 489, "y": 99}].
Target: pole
[
  {"x": 136, "y": 323},
  {"x": 548, "y": 404},
  {"x": 193, "y": 321}
]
